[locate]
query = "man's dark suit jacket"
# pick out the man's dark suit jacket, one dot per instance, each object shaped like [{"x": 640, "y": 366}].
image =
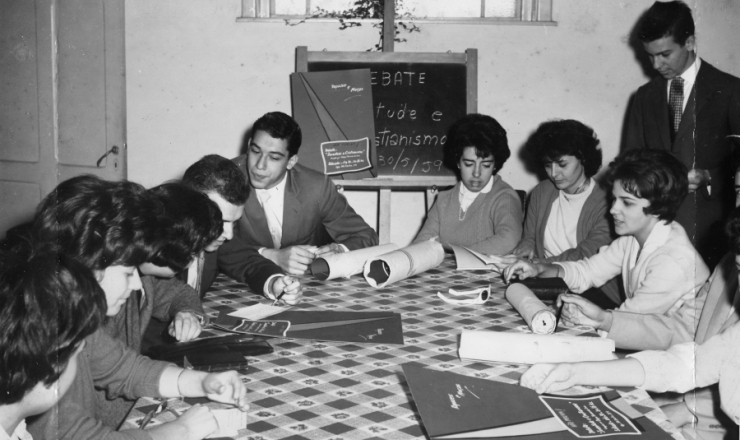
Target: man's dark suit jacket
[
  {"x": 240, "y": 262},
  {"x": 711, "y": 115},
  {"x": 314, "y": 214}
]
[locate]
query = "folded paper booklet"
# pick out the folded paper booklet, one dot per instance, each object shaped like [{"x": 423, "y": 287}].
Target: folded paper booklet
[
  {"x": 528, "y": 348},
  {"x": 321, "y": 325},
  {"x": 468, "y": 259},
  {"x": 261, "y": 328},
  {"x": 453, "y": 406}
]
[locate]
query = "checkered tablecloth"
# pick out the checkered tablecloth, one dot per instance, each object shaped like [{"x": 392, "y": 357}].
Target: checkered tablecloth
[{"x": 337, "y": 390}]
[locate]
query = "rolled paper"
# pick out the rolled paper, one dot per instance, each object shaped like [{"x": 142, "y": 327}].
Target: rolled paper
[
  {"x": 346, "y": 264},
  {"x": 529, "y": 348},
  {"x": 403, "y": 263},
  {"x": 466, "y": 297},
  {"x": 540, "y": 319}
]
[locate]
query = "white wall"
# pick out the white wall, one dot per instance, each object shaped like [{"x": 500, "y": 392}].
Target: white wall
[{"x": 197, "y": 79}]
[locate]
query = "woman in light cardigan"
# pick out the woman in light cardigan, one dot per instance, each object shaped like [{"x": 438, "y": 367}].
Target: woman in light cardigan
[
  {"x": 660, "y": 268},
  {"x": 567, "y": 214},
  {"x": 482, "y": 212}
]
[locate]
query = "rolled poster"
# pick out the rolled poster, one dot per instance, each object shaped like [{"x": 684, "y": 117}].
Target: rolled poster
[
  {"x": 403, "y": 263},
  {"x": 540, "y": 319},
  {"x": 346, "y": 264}
]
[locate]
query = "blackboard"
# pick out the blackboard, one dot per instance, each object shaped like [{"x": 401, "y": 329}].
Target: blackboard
[{"x": 416, "y": 97}]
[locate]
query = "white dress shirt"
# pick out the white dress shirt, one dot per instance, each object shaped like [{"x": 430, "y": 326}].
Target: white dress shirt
[{"x": 272, "y": 201}]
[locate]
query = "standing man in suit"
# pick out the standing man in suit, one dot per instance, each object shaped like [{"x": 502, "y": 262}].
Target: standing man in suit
[
  {"x": 223, "y": 183},
  {"x": 293, "y": 214},
  {"x": 690, "y": 109}
]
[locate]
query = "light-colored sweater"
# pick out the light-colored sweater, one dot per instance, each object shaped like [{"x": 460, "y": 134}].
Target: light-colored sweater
[
  {"x": 491, "y": 225},
  {"x": 659, "y": 278}
]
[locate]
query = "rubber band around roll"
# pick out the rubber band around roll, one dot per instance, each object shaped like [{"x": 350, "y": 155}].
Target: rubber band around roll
[{"x": 539, "y": 317}]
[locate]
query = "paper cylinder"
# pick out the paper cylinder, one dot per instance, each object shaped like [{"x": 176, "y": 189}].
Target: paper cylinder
[
  {"x": 403, "y": 263},
  {"x": 540, "y": 319},
  {"x": 346, "y": 264},
  {"x": 528, "y": 348}
]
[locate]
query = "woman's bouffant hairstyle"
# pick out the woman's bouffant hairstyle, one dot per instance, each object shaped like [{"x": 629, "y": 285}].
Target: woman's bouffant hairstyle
[
  {"x": 655, "y": 175},
  {"x": 100, "y": 223},
  {"x": 48, "y": 305},
  {"x": 194, "y": 219},
  {"x": 558, "y": 138},
  {"x": 479, "y": 131}
]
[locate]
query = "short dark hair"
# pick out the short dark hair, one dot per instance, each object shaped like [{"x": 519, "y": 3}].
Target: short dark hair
[
  {"x": 732, "y": 229},
  {"x": 194, "y": 221},
  {"x": 479, "y": 131},
  {"x": 280, "y": 126},
  {"x": 216, "y": 174},
  {"x": 100, "y": 223},
  {"x": 665, "y": 19},
  {"x": 48, "y": 305},
  {"x": 655, "y": 175},
  {"x": 558, "y": 138}
]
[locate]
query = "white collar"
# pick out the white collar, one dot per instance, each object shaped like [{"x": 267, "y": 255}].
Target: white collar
[
  {"x": 689, "y": 76},
  {"x": 466, "y": 193},
  {"x": 277, "y": 189},
  {"x": 657, "y": 238}
]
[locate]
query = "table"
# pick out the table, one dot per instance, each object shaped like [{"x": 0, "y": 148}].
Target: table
[{"x": 335, "y": 390}]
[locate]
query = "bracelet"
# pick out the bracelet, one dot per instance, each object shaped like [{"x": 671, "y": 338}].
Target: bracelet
[{"x": 178, "y": 382}]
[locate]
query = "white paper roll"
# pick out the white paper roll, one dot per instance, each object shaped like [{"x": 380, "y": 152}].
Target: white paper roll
[
  {"x": 540, "y": 319},
  {"x": 528, "y": 348},
  {"x": 403, "y": 263},
  {"x": 346, "y": 264}
]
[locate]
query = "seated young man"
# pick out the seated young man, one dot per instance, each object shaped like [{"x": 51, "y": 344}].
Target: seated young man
[
  {"x": 294, "y": 214},
  {"x": 220, "y": 180},
  {"x": 708, "y": 366},
  {"x": 110, "y": 229},
  {"x": 48, "y": 306}
]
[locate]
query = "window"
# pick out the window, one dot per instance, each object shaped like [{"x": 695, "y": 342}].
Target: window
[{"x": 462, "y": 11}]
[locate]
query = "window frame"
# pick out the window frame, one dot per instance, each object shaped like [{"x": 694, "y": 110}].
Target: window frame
[{"x": 529, "y": 12}]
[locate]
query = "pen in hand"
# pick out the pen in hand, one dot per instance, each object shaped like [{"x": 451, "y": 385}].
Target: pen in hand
[{"x": 277, "y": 299}]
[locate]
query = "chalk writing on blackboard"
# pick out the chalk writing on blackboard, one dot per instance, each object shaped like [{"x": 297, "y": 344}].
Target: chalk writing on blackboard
[{"x": 346, "y": 156}]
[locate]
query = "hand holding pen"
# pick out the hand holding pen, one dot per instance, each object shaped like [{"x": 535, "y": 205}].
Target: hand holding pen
[{"x": 288, "y": 289}]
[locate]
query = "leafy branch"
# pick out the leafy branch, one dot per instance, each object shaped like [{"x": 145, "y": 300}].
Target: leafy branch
[{"x": 362, "y": 10}]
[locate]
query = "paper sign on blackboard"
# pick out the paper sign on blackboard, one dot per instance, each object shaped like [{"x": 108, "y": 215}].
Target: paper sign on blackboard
[
  {"x": 414, "y": 105},
  {"x": 346, "y": 156}
]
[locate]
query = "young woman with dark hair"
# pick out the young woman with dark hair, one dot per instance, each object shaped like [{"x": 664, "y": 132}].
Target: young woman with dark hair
[{"x": 660, "y": 269}]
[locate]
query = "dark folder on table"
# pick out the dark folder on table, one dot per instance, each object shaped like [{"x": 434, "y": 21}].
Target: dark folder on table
[
  {"x": 324, "y": 325},
  {"x": 456, "y": 406}
]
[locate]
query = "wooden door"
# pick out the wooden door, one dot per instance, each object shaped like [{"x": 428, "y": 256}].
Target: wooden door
[{"x": 62, "y": 83}]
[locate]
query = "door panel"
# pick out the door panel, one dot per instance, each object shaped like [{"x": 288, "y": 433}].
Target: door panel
[
  {"x": 62, "y": 71},
  {"x": 19, "y": 127}
]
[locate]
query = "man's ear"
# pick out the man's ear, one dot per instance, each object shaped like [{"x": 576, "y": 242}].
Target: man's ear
[
  {"x": 691, "y": 43},
  {"x": 292, "y": 161}
]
